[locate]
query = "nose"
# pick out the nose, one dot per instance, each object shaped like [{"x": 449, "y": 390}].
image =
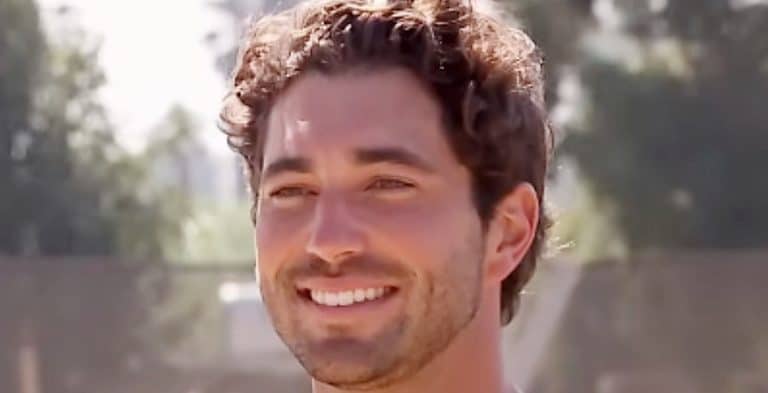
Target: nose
[{"x": 335, "y": 233}]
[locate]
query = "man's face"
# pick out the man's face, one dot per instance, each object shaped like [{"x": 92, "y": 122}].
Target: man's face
[{"x": 369, "y": 247}]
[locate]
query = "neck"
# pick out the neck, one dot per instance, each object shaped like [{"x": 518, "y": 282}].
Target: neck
[{"x": 471, "y": 363}]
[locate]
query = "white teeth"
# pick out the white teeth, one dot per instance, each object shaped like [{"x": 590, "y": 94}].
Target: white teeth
[
  {"x": 317, "y": 296},
  {"x": 331, "y": 299},
  {"x": 346, "y": 298}
]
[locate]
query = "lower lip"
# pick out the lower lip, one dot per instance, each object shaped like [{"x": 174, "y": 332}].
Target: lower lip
[{"x": 353, "y": 310}]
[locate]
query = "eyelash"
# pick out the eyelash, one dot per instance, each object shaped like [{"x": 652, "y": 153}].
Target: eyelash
[
  {"x": 399, "y": 184},
  {"x": 276, "y": 193}
]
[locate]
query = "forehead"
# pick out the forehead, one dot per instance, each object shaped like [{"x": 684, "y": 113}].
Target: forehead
[{"x": 323, "y": 114}]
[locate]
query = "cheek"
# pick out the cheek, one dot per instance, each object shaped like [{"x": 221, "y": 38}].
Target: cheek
[
  {"x": 425, "y": 236},
  {"x": 277, "y": 238}
]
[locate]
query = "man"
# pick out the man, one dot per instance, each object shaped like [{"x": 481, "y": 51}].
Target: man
[{"x": 397, "y": 152}]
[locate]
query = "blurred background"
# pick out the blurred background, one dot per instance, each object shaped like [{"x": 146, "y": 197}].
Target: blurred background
[{"x": 125, "y": 245}]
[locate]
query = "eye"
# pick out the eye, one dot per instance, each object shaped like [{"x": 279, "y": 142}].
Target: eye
[
  {"x": 291, "y": 192},
  {"x": 387, "y": 184}
]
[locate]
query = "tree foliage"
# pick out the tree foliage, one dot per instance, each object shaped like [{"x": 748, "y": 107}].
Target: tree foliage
[
  {"x": 676, "y": 128},
  {"x": 68, "y": 189}
]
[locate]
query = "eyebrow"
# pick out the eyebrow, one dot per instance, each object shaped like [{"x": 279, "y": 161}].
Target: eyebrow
[
  {"x": 367, "y": 156},
  {"x": 286, "y": 165},
  {"x": 392, "y": 155}
]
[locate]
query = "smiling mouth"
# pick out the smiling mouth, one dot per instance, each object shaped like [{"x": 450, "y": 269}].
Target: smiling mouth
[{"x": 346, "y": 298}]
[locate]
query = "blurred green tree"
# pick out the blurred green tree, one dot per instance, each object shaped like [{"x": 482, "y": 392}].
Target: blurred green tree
[
  {"x": 676, "y": 125},
  {"x": 21, "y": 46},
  {"x": 670, "y": 140},
  {"x": 68, "y": 189}
]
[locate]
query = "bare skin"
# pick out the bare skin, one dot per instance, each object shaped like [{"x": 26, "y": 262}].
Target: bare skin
[{"x": 362, "y": 190}]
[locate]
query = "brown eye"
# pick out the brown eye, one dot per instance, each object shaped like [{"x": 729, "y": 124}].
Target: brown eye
[
  {"x": 291, "y": 192},
  {"x": 389, "y": 184}
]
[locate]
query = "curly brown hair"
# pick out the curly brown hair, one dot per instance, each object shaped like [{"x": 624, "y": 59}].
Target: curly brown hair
[{"x": 486, "y": 76}]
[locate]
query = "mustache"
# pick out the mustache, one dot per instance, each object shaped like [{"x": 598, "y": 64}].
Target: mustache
[{"x": 363, "y": 265}]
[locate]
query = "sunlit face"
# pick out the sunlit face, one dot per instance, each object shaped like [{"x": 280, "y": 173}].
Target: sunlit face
[{"x": 369, "y": 246}]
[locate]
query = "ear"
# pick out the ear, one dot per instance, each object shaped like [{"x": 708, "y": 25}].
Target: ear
[{"x": 511, "y": 231}]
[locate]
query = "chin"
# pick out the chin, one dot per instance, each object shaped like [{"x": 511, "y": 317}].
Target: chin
[{"x": 355, "y": 378}]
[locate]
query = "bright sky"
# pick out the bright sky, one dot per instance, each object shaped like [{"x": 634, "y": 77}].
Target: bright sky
[{"x": 154, "y": 55}]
